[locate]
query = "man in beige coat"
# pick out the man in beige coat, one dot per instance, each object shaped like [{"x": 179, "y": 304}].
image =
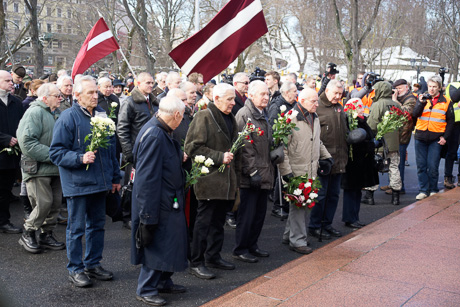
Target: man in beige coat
[{"x": 302, "y": 156}]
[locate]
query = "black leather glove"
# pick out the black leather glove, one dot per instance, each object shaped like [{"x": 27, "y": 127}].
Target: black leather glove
[
  {"x": 144, "y": 234},
  {"x": 256, "y": 181},
  {"x": 288, "y": 177},
  {"x": 277, "y": 154},
  {"x": 325, "y": 166}
]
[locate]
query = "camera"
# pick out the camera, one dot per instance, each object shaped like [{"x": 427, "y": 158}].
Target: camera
[
  {"x": 443, "y": 70},
  {"x": 331, "y": 69},
  {"x": 426, "y": 97},
  {"x": 258, "y": 74},
  {"x": 227, "y": 79},
  {"x": 372, "y": 79}
]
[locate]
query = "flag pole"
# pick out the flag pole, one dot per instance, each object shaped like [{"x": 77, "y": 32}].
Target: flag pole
[{"x": 121, "y": 51}]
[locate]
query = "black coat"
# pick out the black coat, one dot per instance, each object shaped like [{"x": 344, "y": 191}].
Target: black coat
[
  {"x": 20, "y": 91},
  {"x": 105, "y": 101},
  {"x": 275, "y": 106},
  {"x": 360, "y": 171},
  {"x": 239, "y": 103},
  {"x": 159, "y": 179},
  {"x": 9, "y": 121}
]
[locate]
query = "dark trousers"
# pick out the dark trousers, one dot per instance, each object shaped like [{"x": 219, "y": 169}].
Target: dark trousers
[
  {"x": 402, "y": 163},
  {"x": 208, "y": 234},
  {"x": 351, "y": 205},
  {"x": 452, "y": 147},
  {"x": 151, "y": 280},
  {"x": 328, "y": 198},
  {"x": 126, "y": 210},
  {"x": 7, "y": 177},
  {"x": 278, "y": 202},
  {"x": 251, "y": 216}
]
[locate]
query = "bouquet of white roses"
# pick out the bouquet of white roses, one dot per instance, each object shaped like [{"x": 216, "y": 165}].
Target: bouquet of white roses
[
  {"x": 112, "y": 108},
  {"x": 198, "y": 170},
  {"x": 14, "y": 150},
  {"x": 282, "y": 127},
  {"x": 102, "y": 129}
]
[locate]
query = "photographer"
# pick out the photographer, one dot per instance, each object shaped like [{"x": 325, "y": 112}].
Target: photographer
[
  {"x": 434, "y": 126},
  {"x": 366, "y": 93},
  {"x": 329, "y": 74},
  {"x": 452, "y": 93}
]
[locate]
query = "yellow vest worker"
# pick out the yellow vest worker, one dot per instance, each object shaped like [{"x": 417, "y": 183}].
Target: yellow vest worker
[{"x": 433, "y": 118}]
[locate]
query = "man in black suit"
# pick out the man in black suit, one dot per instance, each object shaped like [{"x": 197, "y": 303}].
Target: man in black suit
[{"x": 18, "y": 73}]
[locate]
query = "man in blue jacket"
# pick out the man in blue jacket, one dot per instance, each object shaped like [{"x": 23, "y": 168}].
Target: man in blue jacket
[{"x": 85, "y": 189}]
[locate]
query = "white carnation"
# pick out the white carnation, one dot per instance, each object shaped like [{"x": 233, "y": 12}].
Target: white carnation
[
  {"x": 308, "y": 201},
  {"x": 308, "y": 184},
  {"x": 204, "y": 170},
  {"x": 283, "y": 108},
  {"x": 298, "y": 192},
  {"x": 114, "y": 104},
  {"x": 208, "y": 162}
]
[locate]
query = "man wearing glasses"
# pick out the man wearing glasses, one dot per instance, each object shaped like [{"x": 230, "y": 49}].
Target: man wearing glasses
[
  {"x": 241, "y": 84},
  {"x": 35, "y": 132},
  {"x": 197, "y": 79}
]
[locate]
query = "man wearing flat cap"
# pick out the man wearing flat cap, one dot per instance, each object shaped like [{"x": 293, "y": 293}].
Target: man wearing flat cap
[
  {"x": 403, "y": 95},
  {"x": 18, "y": 73}
]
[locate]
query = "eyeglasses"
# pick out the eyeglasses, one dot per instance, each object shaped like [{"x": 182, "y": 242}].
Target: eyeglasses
[
  {"x": 245, "y": 83},
  {"x": 57, "y": 96}
]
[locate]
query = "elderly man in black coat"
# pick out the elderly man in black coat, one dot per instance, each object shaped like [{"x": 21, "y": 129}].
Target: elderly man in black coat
[{"x": 159, "y": 229}]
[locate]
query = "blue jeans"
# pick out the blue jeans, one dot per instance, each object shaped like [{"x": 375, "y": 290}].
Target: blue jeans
[
  {"x": 402, "y": 162},
  {"x": 351, "y": 205},
  {"x": 86, "y": 217},
  {"x": 329, "y": 191},
  {"x": 427, "y": 157}
]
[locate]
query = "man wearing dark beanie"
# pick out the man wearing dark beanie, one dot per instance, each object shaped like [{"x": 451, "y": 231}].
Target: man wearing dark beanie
[{"x": 18, "y": 73}]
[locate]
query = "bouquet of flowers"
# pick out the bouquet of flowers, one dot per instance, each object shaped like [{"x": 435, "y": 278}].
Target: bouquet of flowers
[
  {"x": 102, "y": 128},
  {"x": 302, "y": 191},
  {"x": 198, "y": 170},
  {"x": 351, "y": 108},
  {"x": 112, "y": 108},
  {"x": 14, "y": 150},
  {"x": 283, "y": 126},
  {"x": 392, "y": 120},
  {"x": 242, "y": 137}
]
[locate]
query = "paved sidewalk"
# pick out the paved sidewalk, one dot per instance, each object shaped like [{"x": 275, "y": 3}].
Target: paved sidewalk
[{"x": 409, "y": 258}]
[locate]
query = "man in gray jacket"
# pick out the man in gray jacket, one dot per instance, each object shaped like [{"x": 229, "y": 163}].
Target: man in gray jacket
[{"x": 35, "y": 133}]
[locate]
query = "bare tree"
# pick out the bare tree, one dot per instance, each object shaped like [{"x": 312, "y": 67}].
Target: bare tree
[{"x": 37, "y": 45}]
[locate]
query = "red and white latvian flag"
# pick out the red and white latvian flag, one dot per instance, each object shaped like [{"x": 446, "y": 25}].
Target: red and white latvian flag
[
  {"x": 237, "y": 25},
  {"x": 99, "y": 43}
]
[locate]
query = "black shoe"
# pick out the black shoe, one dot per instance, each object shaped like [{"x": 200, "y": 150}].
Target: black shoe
[
  {"x": 301, "y": 249},
  {"x": 259, "y": 253},
  {"x": 368, "y": 198},
  {"x": 221, "y": 264},
  {"x": 316, "y": 233},
  {"x": 395, "y": 198},
  {"x": 173, "y": 289},
  {"x": 353, "y": 225},
  {"x": 80, "y": 280},
  {"x": 277, "y": 213},
  {"x": 154, "y": 300},
  {"x": 62, "y": 220},
  {"x": 246, "y": 258},
  {"x": 231, "y": 222},
  {"x": 29, "y": 242},
  {"x": 10, "y": 228},
  {"x": 99, "y": 273},
  {"x": 333, "y": 232},
  {"x": 285, "y": 241},
  {"x": 360, "y": 224},
  {"x": 202, "y": 272},
  {"x": 47, "y": 240},
  {"x": 127, "y": 224}
]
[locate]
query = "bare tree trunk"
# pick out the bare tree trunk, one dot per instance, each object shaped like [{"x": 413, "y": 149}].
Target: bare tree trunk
[
  {"x": 240, "y": 66},
  {"x": 129, "y": 49},
  {"x": 34, "y": 36}
]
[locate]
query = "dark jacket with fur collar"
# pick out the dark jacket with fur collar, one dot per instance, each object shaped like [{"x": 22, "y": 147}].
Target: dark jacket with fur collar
[
  {"x": 134, "y": 113},
  {"x": 208, "y": 135}
]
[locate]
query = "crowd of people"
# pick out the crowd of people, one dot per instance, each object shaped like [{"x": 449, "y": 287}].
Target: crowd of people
[{"x": 162, "y": 125}]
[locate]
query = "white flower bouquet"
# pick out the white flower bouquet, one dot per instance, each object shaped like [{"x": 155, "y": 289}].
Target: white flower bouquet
[
  {"x": 198, "y": 170},
  {"x": 102, "y": 129}
]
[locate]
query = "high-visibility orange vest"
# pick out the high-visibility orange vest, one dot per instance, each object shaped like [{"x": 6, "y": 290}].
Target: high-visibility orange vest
[
  {"x": 367, "y": 101},
  {"x": 433, "y": 117}
]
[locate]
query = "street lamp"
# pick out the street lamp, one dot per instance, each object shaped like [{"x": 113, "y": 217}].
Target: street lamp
[{"x": 423, "y": 64}]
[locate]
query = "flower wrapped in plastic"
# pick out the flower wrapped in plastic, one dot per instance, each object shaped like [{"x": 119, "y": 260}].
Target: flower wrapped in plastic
[
  {"x": 302, "y": 191},
  {"x": 102, "y": 128},
  {"x": 392, "y": 120},
  {"x": 283, "y": 125}
]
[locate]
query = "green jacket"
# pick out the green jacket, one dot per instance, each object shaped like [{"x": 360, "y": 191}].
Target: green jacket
[
  {"x": 34, "y": 134},
  {"x": 382, "y": 102}
]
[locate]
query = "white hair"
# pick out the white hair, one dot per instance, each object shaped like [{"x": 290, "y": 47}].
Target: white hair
[
  {"x": 185, "y": 85},
  {"x": 103, "y": 80},
  {"x": 175, "y": 92},
  {"x": 436, "y": 79},
  {"x": 45, "y": 89},
  {"x": 159, "y": 75},
  {"x": 334, "y": 84},
  {"x": 255, "y": 85},
  {"x": 220, "y": 89},
  {"x": 239, "y": 76},
  {"x": 62, "y": 72},
  {"x": 79, "y": 84},
  {"x": 142, "y": 76},
  {"x": 171, "y": 77},
  {"x": 287, "y": 86},
  {"x": 61, "y": 80},
  {"x": 170, "y": 104}
]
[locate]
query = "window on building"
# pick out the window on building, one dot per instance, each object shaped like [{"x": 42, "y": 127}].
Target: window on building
[
  {"x": 59, "y": 45},
  {"x": 59, "y": 13},
  {"x": 48, "y": 27},
  {"x": 69, "y": 14},
  {"x": 50, "y": 60},
  {"x": 69, "y": 29},
  {"x": 5, "y": 6},
  {"x": 49, "y": 10},
  {"x": 59, "y": 28},
  {"x": 16, "y": 7}
]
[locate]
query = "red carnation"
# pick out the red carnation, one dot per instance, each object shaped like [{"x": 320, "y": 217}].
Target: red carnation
[
  {"x": 247, "y": 137},
  {"x": 307, "y": 191},
  {"x": 301, "y": 185},
  {"x": 261, "y": 132},
  {"x": 252, "y": 141},
  {"x": 290, "y": 112},
  {"x": 288, "y": 121},
  {"x": 282, "y": 114},
  {"x": 311, "y": 205}
]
